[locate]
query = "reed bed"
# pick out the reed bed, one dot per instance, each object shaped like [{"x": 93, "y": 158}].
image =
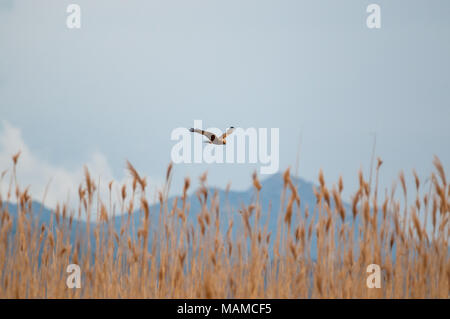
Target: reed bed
[{"x": 178, "y": 253}]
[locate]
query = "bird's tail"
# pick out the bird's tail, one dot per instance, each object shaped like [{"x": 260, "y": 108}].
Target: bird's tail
[{"x": 191, "y": 130}]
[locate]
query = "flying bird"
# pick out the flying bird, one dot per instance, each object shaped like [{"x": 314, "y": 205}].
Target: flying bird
[{"x": 213, "y": 138}]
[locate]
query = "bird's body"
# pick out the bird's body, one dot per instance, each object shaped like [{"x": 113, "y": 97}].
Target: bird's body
[{"x": 213, "y": 138}]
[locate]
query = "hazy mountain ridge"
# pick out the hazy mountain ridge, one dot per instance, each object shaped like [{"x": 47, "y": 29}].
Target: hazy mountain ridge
[{"x": 230, "y": 204}]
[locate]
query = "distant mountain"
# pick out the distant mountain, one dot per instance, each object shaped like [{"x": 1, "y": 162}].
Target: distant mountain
[
  {"x": 269, "y": 199},
  {"x": 230, "y": 203}
]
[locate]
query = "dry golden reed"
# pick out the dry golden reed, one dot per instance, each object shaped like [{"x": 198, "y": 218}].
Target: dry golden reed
[{"x": 230, "y": 253}]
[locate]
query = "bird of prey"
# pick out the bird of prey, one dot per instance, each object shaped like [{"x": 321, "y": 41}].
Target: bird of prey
[{"x": 213, "y": 138}]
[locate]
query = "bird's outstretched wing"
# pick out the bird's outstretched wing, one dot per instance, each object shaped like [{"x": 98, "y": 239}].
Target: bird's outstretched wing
[
  {"x": 228, "y": 132},
  {"x": 209, "y": 135}
]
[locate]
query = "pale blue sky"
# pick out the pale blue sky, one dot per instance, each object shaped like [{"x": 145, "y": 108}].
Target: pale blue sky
[{"x": 138, "y": 69}]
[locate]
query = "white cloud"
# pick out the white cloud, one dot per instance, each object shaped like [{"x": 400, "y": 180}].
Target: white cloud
[{"x": 37, "y": 173}]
